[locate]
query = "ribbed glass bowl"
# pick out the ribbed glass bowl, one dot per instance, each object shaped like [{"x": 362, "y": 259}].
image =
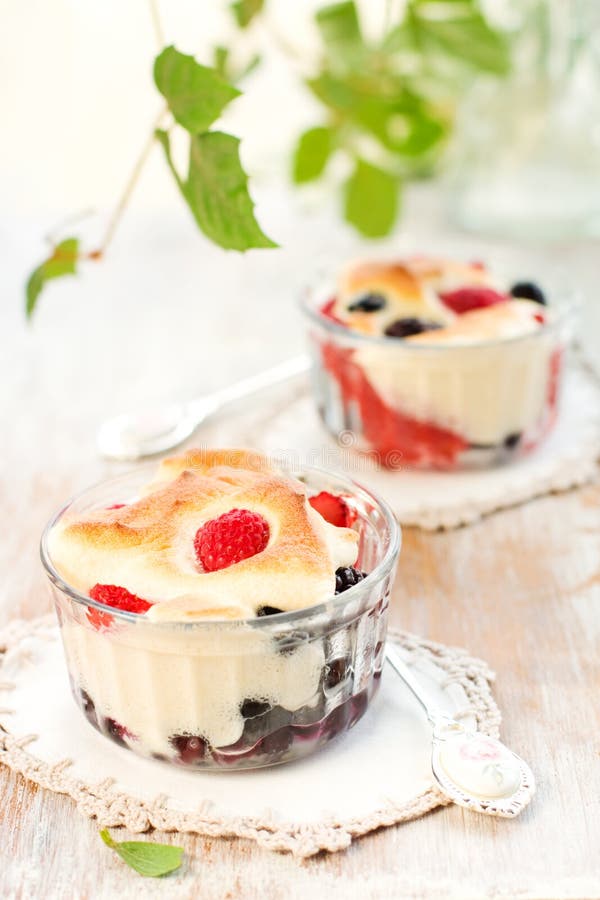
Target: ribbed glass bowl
[
  {"x": 451, "y": 406},
  {"x": 231, "y": 694}
]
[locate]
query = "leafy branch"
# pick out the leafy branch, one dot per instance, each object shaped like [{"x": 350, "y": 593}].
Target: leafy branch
[
  {"x": 389, "y": 105},
  {"x": 215, "y": 187}
]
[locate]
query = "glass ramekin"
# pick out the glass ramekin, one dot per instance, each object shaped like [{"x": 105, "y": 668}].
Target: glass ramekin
[
  {"x": 267, "y": 690},
  {"x": 456, "y": 406}
]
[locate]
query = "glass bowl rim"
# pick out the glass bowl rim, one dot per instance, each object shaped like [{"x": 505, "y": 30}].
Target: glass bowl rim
[
  {"x": 328, "y": 606},
  {"x": 570, "y": 303}
]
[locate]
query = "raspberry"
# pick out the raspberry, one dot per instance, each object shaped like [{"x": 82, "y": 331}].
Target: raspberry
[
  {"x": 118, "y": 598},
  {"x": 334, "y": 509},
  {"x": 465, "y": 299},
  {"x": 234, "y": 536}
]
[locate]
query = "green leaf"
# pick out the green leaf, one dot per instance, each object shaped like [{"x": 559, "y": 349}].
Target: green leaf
[
  {"x": 371, "y": 201},
  {"x": 147, "y": 858},
  {"x": 63, "y": 261},
  {"x": 163, "y": 139},
  {"x": 220, "y": 60},
  {"x": 244, "y": 11},
  {"x": 340, "y": 31},
  {"x": 401, "y": 120},
  {"x": 312, "y": 153},
  {"x": 471, "y": 39},
  {"x": 216, "y": 191},
  {"x": 196, "y": 95},
  {"x": 452, "y": 29}
]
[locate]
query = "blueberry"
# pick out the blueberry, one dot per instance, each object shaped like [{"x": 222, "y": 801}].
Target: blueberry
[
  {"x": 368, "y": 303},
  {"x": 402, "y": 328},
  {"x": 528, "y": 290},
  {"x": 268, "y": 611},
  {"x": 88, "y": 707},
  {"x": 335, "y": 672},
  {"x": 191, "y": 748},
  {"x": 252, "y": 708},
  {"x": 346, "y": 577},
  {"x": 115, "y": 731},
  {"x": 512, "y": 440}
]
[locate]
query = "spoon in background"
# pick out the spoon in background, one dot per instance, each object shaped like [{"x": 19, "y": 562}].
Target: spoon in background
[
  {"x": 132, "y": 436},
  {"x": 471, "y": 768}
]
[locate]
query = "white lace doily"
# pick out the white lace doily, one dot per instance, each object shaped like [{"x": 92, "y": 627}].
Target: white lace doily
[
  {"x": 375, "y": 776},
  {"x": 431, "y": 500}
]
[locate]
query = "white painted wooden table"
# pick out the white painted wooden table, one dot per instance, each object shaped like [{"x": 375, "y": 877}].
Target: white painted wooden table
[{"x": 167, "y": 315}]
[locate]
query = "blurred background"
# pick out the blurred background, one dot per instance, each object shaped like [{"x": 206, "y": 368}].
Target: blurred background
[{"x": 483, "y": 118}]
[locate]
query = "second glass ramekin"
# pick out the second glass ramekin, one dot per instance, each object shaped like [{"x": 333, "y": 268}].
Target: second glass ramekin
[
  {"x": 449, "y": 406},
  {"x": 231, "y": 694}
]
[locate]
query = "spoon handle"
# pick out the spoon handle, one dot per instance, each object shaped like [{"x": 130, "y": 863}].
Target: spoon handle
[
  {"x": 253, "y": 383},
  {"x": 472, "y": 769}
]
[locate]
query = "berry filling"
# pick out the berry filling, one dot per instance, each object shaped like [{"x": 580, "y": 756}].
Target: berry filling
[
  {"x": 334, "y": 509},
  {"x": 465, "y": 299},
  {"x": 328, "y": 313},
  {"x": 394, "y": 436},
  {"x": 231, "y": 538}
]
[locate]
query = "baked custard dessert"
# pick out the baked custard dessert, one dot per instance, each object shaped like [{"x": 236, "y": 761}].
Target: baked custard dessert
[
  {"x": 226, "y": 612},
  {"x": 436, "y": 363}
]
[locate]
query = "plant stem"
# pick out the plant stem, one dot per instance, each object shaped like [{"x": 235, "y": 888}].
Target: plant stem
[
  {"x": 156, "y": 22},
  {"x": 52, "y": 236},
  {"x": 387, "y": 17},
  {"x": 119, "y": 209},
  {"x": 133, "y": 179}
]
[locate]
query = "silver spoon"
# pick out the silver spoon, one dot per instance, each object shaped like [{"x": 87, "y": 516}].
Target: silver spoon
[
  {"x": 134, "y": 435},
  {"x": 472, "y": 769}
]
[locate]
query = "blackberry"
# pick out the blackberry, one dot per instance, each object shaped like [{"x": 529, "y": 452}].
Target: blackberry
[
  {"x": 368, "y": 303},
  {"x": 402, "y": 328},
  {"x": 268, "y": 611},
  {"x": 346, "y": 577},
  {"x": 528, "y": 290}
]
